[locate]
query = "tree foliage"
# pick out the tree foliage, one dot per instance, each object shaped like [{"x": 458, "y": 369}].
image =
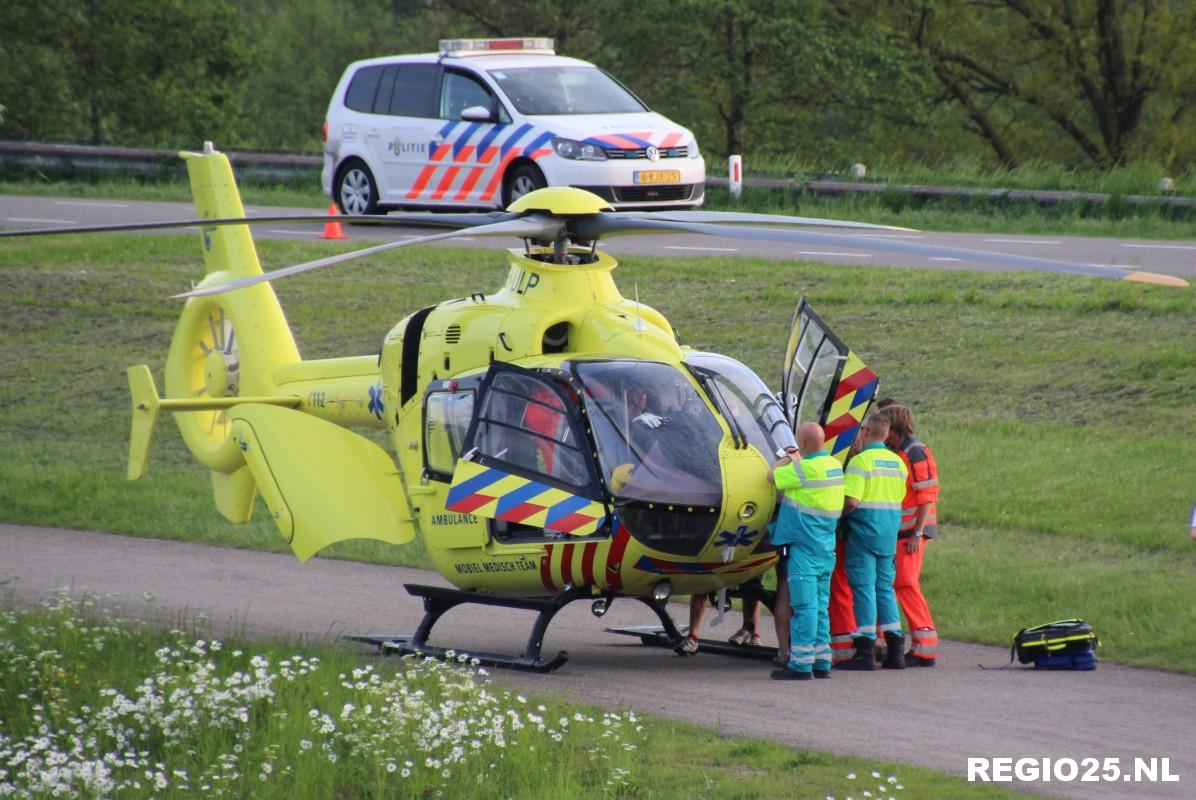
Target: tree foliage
[
  {"x": 1101, "y": 76},
  {"x": 138, "y": 71},
  {"x": 1077, "y": 82}
]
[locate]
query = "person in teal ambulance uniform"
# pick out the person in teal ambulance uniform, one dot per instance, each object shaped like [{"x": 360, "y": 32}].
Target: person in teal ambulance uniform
[
  {"x": 812, "y": 482},
  {"x": 874, "y": 486}
]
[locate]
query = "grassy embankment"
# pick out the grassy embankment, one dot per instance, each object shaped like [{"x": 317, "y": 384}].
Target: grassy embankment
[
  {"x": 1115, "y": 218},
  {"x": 102, "y": 709},
  {"x": 1059, "y": 408}
]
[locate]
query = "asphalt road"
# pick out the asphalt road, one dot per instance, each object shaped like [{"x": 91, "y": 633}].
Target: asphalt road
[
  {"x": 1169, "y": 257},
  {"x": 935, "y": 718}
]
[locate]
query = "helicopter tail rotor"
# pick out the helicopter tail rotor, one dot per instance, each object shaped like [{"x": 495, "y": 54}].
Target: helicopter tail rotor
[{"x": 225, "y": 349}]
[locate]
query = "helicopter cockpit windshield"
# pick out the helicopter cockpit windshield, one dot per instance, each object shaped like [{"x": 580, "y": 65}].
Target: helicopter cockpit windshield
[
  {"x": 745, "y": 400},
  {"x": 657, "y": 441}
]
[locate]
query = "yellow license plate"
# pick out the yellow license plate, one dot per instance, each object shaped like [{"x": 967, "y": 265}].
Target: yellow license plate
[{"x": 658, "y": 176}]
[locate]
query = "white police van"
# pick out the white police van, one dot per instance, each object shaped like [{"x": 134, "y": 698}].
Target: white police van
[{"x": 485, "y": 121}]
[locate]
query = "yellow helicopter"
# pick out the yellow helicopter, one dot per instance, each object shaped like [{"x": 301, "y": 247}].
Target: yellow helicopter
[{"x": 552, "y": 441}]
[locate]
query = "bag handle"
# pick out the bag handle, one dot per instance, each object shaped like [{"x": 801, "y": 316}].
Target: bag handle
[{"x": 1012, "y": 650}]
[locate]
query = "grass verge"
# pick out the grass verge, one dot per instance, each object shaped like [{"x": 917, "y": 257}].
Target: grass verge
[
  {"x": 1057, "y": 407},
  {"x": 90, "y": 706}
]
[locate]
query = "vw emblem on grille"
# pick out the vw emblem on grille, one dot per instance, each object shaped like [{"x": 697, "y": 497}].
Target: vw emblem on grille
[{"x": 652, "y": 153}]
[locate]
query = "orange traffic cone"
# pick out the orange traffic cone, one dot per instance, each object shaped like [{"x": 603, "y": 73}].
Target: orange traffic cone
[{"x": 332, "y": 229}]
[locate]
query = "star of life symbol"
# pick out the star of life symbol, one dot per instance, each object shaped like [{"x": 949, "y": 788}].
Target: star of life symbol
[
  {"x": 375, "y": 406},
  {"x": 653, "y": 153},
  {"x": 741, "y": 537}
]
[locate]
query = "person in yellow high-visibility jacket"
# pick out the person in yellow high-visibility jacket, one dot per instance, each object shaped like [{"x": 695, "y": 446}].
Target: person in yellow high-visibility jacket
[
  {"x": 812, "y": 482},
  {"x": 874, "y": 486}
]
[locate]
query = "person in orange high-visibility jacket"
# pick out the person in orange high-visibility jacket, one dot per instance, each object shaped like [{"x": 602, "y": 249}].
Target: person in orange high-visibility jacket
[{"x": 919, "y": 524}]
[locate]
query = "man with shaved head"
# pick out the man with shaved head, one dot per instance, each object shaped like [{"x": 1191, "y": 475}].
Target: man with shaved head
[
  {"x": 874, "y": 487},
  {"x": 812, "y": 482}
]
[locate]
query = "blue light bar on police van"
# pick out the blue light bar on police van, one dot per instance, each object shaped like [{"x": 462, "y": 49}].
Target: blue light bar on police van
[{"x": 481, "y": 47}]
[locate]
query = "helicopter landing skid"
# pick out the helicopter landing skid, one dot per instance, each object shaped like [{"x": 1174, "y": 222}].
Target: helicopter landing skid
[
  {"x": 656, "y": 636},
  {"x": 438, "y": 600}
]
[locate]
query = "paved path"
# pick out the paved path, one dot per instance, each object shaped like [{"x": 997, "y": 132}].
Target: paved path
[
  {"x": 1169, "y": 257},
  {"x": 933, "y": 718}
]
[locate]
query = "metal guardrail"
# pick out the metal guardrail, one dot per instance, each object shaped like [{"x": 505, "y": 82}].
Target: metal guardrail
[
  {"x": 141, "y": 161},
  {"x": 73, "y": 159}
]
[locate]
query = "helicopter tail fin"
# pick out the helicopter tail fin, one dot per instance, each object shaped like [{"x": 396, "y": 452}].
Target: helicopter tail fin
[
  {"x": 227, "y": 248},
  {"x": 146, "y": 404}
]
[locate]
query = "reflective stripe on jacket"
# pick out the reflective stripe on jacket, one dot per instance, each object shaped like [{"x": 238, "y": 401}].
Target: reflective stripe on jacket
[
  {"x": 876, "y": 478},
  {"x": 812, "y": 502},
  {"x": 921, "y": 487}
]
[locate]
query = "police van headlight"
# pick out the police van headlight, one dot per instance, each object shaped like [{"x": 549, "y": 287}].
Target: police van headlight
[
  {"x": 578, "y": 151},
  {"x": 693, "y": 149}
]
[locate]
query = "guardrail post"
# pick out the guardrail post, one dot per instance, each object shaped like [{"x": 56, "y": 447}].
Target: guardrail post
[{"x": 735, "y": 176}]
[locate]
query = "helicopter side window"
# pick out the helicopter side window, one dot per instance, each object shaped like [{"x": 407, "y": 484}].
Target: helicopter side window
[
  {"x": 446, "y": 420},
  {"x": 525, "y": 424}
]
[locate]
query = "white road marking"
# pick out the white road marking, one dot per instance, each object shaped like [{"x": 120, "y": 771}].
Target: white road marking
[
  {"x": 822, "y": 253},
  {"x": 294, "y": 233},
  {"x": 703, "y": 249},
  {"x": 1024, "y": 241},
  {"x": 89, "y": 204},
  {"x": 460, "y": 238},
  {"x": 1162, "y": 246},
  {"x": 890, "y": 235},
  {"x": 47, "y": 221},
  {"x": 944, "y": 258}
]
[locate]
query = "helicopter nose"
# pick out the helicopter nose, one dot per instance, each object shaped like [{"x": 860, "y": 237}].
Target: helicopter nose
[
  {"x": 672, "y": 529},
  {"x": 748, "y": 504},
  {"x": 721, "y": 532}
]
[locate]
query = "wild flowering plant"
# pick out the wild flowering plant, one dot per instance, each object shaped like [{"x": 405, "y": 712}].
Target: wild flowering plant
[{"x": 87, "y": 709}]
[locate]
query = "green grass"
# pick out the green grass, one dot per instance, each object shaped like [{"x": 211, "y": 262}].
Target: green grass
[
  {"x": 1058, "y": 408},
  {"x": 1132, "y": 178},
  {"x": 93, "y": 707}
]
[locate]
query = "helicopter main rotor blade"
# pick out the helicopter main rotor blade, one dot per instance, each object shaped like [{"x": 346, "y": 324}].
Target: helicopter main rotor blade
[
  {"x": 415, "y": 220},
  {"x": 601, "y": 226},
  {"x": 747, "y": 218},
  {"x": 538, "y": 227}
]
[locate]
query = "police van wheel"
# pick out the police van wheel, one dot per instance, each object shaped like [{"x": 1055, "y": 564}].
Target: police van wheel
[
  {"x": 523, "y": 179},
  {"x": 356, "y": 189}
]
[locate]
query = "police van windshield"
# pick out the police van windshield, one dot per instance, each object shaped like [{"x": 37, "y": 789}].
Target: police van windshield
[
  {"x": 657, "y": 441},
  {"x": 740, "y": 393},
  {"x": 547, "y": 91}
]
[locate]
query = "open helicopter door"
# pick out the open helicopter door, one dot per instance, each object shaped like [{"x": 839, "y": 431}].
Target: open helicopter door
[
  {"x": 526, "y": 458},
  {"x": 825, "y": 382}
]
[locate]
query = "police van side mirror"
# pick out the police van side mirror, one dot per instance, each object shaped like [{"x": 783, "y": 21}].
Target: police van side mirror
[{"x": 477, "y": 114}]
